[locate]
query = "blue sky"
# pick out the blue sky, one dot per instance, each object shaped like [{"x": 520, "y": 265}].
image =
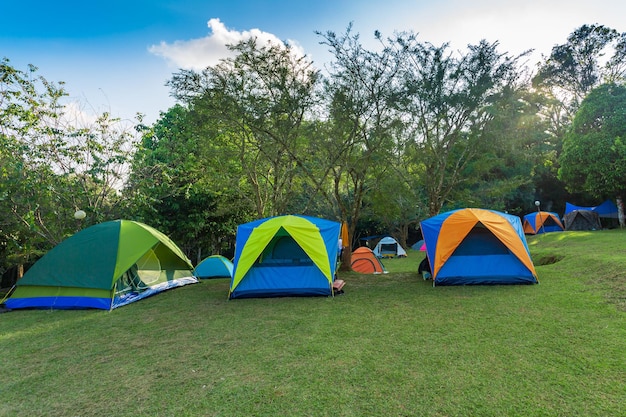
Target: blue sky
[{"x": 116, "y": 55}]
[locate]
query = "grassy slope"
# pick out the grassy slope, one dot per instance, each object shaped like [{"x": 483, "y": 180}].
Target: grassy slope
[{"x": 392, "y": 345}]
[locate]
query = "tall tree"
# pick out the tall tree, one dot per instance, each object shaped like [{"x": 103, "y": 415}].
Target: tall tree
[
  {"x": 594, "y": 150},
  {"x": 447, "y": 101},
  {"x": 51, "y": 164},
  {"x": 181, "y": 183},
  {"x": 574, "y": 68},
  {"x": 519, "y": 154},
  {"x": 363, "y": 122},
  {"x": 261, "y": 98},
  {"x": 591, "y": 55}
]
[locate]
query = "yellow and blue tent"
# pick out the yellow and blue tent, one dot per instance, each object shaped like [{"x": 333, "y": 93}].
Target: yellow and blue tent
[
  {"x": 477, "y": 246},
  {"x": 288, "y": 255},
  {"x": 104, "y": 266}
]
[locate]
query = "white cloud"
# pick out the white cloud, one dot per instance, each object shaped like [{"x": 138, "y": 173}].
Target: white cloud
[
  {"x": 75, "y": 113},
  {"x": 198, "y": 54}
]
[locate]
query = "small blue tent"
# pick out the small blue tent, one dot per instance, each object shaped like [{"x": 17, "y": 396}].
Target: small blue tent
[
  {"x": 215, "y": 266},
  {"x": 477, "y": 246},
  {"x": 285, "y": 256}
]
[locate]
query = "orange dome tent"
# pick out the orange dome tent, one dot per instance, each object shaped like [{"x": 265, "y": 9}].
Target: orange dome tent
[{"x": 365, "y": 262}]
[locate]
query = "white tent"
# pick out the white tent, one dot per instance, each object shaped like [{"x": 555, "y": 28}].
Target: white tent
[{"x": 388, "y": 247}]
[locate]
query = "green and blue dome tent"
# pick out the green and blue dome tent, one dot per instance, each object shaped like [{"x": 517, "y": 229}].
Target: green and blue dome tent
[
  {"x": 477, "y": 246},
  {"x": 104, "y": 266},
  {"x": 288, "y": 255}
]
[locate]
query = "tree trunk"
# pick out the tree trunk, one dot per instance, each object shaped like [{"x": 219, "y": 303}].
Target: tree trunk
[
  {"x": 199, "y": 256},
  {"x": 620, "y": 212}
]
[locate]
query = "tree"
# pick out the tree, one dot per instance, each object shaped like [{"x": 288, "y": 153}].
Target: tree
[
  {"x": 260, "y": 99},
  {"x": 447, "y": 101},
  {"x": 181, "y": 183},
  {"x": 593, "y": 160},
  {"x": 52, "y": 165},
  {"x": 574, "y": 68},
  {"x": 592, "y": 55},
  {"x": 362, "y": 123},
  {"x": 396, "y": 201},
  {"x": 514, "y": 168}
]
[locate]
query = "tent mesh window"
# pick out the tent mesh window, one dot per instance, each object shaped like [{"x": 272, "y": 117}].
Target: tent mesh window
[
  {"x": 129, "y": 282},
  {"x": 283, "y": 250},
  {"x": 389, "y": 248},
  {"x": 480, "y": 241}
]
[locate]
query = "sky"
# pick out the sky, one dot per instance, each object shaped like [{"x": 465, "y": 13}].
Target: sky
[{"x": 116, "y": 56}]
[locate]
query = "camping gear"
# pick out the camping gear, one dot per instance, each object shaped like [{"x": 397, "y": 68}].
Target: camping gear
[
  {"x": 285, "y": 256},
  {"x": 345, "y": 236},
  {"x": 582, "y": 220},
  {"x": 104, "y": 266},
  {"x": 388, "y": 247},
  {"x": 365, "y": 262},
  {"x": 214, "y": 266},
  {"x": 424, "y": 269},
  {"x": 542, "y": 222},
  {"x": 477, "y": 246}
]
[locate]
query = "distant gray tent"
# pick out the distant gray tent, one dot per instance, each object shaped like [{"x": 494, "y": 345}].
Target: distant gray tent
[
  {"x": 388, "y": 247},
  {"x": 582, "y": 220}
]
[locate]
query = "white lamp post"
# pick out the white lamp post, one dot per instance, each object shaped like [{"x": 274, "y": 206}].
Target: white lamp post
[{"x": 538, "y": 203}]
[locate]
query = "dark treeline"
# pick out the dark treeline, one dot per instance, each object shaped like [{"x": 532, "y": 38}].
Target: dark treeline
[{"x": 383, "y": 138}]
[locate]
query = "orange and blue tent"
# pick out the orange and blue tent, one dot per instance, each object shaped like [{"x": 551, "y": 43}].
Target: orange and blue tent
[
  {"x": 285, "y": 256},
  {"x": 542, "y": 222},
  {"x": 477, "y": 246}
]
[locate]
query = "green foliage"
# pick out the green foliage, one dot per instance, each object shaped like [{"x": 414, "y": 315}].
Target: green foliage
[
  {"x": 592, "y": 55},
  {"x": 578, "y": 66},
  {"x": 362, "y": 124},
  {"x": 391, "y": 135},
  {"x": 259, "y": 99},
  {"x": 594, "y": 154},
  {"x": 447, "y": 101},
  {"x": 52, "y": 163},
  {"x": 183, "y": 184}
]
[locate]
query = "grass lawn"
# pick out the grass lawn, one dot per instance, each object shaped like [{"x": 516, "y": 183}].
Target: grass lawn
[{"x": 392, "y": 345}]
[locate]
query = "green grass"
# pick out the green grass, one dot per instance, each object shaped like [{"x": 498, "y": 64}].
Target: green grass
[{"x": 392, "y": 345}]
